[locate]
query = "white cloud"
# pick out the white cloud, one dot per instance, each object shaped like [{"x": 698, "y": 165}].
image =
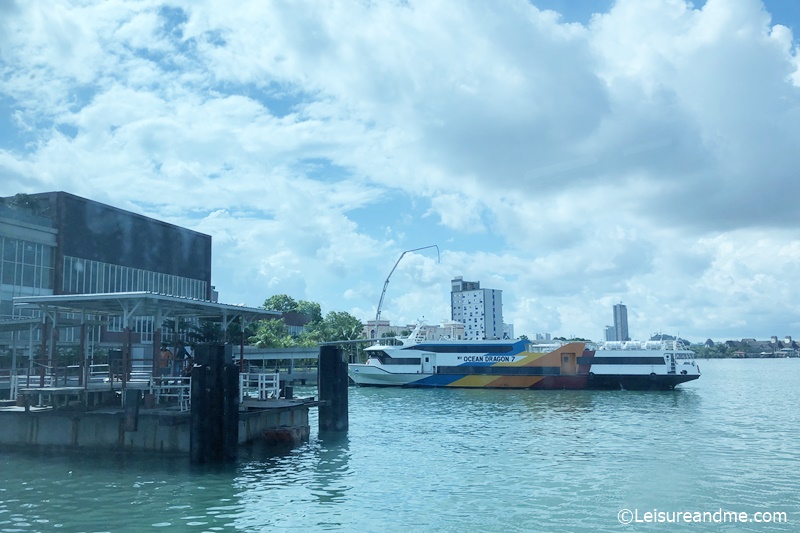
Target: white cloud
[{"x": 648, "y": 156}]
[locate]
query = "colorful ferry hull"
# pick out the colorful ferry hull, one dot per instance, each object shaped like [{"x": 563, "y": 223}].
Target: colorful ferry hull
[{"x": 518, "y": 365}]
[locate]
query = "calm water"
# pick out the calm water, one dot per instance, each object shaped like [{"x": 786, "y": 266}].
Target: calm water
[{"x": 460, "y": 460}]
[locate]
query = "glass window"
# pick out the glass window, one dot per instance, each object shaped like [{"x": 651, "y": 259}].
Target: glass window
[
  {"x": 8, "y": 273},
  {"x": 47, "y": 278},
  {"x": 27, "y": 276},
  {"x": 10, "y": 250},
  {"x": 29, "y": 255},
  {"x": 47, "y": 256},
  {"x": 65, "y": 283},
  {"x": 93, "y": 268}
]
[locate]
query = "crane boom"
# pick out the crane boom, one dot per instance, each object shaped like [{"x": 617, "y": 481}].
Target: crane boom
[{"x": 386, "y": 283}]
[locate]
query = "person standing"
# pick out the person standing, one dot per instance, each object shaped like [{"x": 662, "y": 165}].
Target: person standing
[
  {"x": 180, "y": 356},
  {"x": 165, "y": 361}
]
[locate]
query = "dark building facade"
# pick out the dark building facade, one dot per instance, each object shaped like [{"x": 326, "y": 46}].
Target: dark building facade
[
  {"x": 100, "y": 248},
  {"x": 58, "y": 243}
]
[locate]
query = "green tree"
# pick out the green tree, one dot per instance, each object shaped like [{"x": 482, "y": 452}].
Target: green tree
[
  {"x": 272, "y": 333},
  {"x": 341, "y": 325},
  {"x": 280, "y": 302},
  {"x": 310, "y": 309},
  {"x": 25, "y": 202},
  {"x": 207, "y": 331}
]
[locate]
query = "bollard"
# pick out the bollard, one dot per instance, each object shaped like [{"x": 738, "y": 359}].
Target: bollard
[{"x": 333, "y": 387}]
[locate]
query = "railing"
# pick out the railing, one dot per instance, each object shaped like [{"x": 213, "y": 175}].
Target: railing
[
  {"x": 172, "y": 389},
  {"x": 262, "y": 386}
]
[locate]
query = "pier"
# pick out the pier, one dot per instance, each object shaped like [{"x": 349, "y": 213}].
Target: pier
[{"x": 227, "y": 400}]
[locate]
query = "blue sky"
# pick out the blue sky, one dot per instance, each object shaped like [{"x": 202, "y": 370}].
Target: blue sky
[{"x": 573, "y": 154}]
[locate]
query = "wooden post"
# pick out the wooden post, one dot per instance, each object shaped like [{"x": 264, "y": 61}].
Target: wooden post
[{"x": 333, "y": 384}]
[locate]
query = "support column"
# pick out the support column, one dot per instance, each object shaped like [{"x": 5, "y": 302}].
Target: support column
[
  {"x": 333, "y": 384},
  {"x": 241, "y": 346},
  {"x": 83, "y": 377},
  {"x": 14, "y": 341},
  {"x": 126, "y": 358},
  {"x": 43, "y": 353},
  {"x": 156, "y": 355}
]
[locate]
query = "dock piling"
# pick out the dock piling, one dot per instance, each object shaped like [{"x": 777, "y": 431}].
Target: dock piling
[
  {"x": 214, "y": 419},
  {"x": 333, "y": 387}
]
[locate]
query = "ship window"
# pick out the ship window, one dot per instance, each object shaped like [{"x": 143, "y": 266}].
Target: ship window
[
  {"x": 401, "y": 361},
  {"x": 566, "y": 359}
]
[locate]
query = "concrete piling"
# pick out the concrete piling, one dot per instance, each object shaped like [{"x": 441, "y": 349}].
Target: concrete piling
[
  {"x": 333, "y": 384},
  {"x": 214, "y": 422},
  {"x": 133, "y": 399}
]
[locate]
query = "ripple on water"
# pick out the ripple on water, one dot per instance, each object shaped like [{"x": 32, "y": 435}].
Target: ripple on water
[{"x": 456, "y": 460}]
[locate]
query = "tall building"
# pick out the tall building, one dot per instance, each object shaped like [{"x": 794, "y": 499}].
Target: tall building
[
  {"x": 621, "y": 323},
  {"x": 480, "y": 310},
  {"x": 610, "y": 333},
  {"x": 58, "y": 243}
]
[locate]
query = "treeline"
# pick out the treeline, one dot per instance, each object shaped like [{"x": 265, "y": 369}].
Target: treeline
[{"x": 274, "y": 333}]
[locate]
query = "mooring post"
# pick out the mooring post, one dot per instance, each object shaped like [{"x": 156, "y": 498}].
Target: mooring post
[
  {"x": 214, "y": 430},
  {"x": 333, "y": 382},
  {"x": 132, "y": 400}
]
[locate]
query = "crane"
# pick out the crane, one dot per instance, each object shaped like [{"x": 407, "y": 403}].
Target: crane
[{"x": 386, "y": 283}]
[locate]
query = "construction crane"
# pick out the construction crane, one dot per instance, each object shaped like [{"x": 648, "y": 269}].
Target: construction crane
[{"x": 386, "y": 283}]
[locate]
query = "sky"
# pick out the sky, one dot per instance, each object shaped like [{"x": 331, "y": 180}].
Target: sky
[{"x": 573, "y": 154}]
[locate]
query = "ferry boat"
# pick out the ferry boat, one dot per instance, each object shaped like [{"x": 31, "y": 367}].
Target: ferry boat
[{"x": 520, "y": 364}]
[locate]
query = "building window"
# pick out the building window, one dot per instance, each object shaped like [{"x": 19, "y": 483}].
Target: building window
[{"x": 83, "y": 276}]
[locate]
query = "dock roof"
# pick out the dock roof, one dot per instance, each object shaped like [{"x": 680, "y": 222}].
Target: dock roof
[{"x": 132, "y": 304}]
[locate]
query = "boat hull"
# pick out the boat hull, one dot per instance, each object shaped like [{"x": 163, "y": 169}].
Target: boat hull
[{"x": 365, "y": 378}]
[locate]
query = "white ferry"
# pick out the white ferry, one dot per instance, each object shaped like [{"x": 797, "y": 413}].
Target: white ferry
[{"x": 520, "y": 364}]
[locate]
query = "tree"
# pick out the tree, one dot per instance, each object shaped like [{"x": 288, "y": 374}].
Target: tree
[
  {"x": 25, "y": 202},
  {"x": 272, "y": 333},
  {"x": 341, "y": 325},
  {"x": 207, "y": 331},
  {"x": 310, "y": 309},
  {"x": 280, "y": 302}
]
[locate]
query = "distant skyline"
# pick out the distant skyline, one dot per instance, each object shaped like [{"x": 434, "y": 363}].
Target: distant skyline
[{"x": 573, "y": 154}]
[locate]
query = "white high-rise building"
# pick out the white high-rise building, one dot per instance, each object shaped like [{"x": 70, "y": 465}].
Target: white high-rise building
[{"x": 480, "y": 310}]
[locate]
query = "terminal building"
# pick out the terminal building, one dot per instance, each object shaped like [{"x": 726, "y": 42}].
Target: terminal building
[{"x": 56, "y": 243}]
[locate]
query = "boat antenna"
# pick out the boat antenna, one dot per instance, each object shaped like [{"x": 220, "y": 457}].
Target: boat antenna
[{"x": 386, "y": 283}]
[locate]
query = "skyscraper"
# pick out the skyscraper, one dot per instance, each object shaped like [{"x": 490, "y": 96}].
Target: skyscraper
[{"x": 621, "y": 322}]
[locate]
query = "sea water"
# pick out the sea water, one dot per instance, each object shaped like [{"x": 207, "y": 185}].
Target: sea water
[{"x": 464, "y": 460}]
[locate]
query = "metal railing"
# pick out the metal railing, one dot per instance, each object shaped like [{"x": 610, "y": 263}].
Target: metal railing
[
  {"x": 169, "y": 389},
  {"x": 261, "y": 385}
]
